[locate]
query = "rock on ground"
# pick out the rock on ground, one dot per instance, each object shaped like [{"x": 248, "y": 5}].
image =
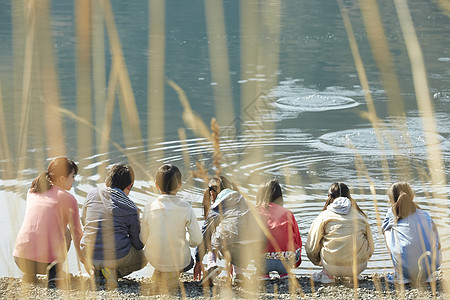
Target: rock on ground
[{"x": 370, "y": 287}]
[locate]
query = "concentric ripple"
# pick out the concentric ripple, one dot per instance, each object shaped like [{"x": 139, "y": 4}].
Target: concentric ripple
[
  {"x": 315, "y": 102},
  {"x": 390, "y": 141}
]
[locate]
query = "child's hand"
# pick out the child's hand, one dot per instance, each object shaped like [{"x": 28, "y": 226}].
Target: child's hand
[{"x": 198, "y": 270}]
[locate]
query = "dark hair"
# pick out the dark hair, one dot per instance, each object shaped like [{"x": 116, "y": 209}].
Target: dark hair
[
  {"x": 269, "y": 192},
  {"x": 222, "y": 183},
  {"x": 401, "y": 197},
  {"x": 340, "y": 189},
  {"x": 60, "y": 166},
  {"x": 168, "y": 178},
  {"x": 119, "y": 176}
]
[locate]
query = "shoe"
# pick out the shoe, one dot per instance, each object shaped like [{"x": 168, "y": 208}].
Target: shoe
[
  {"x": 431, "y": 279},
  {"x": 53, "y": 276},
  {"x": 110, "y": 276},
  {"x": 395, "y": 278},
  {"x": 98, "y": 276},
  {"x": 264, "y": 277},
  {"x": 283, "y": 276},
  {"x": 322, "y": 277},
  {"x": 210, "y": 275}
]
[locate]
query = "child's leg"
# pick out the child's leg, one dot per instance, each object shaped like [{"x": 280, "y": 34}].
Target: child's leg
[{"x": 211, "y": 259}]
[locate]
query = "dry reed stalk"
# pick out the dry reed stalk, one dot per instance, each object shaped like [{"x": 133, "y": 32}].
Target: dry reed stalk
[
  {"x": 217, "y": 155},
  {"x": 220, "y": 73},
  {"x": 184, "y": 148},
  {"x": 380, "y": 49},
  {"x": 98, "y": 65},
  {"x": 137, "y": 165},
  {"x": 49, "y": 81},
  {"x": 426, "y": 109},
  {"x": 444, "y": 5},
  {"x": 270, "y": 47},
  {"x": 248, "y": 25},
  {"x": 191, "y": 120},
  {"x": 83, "y": 76},
  {"x": 26, "y": 85},
  {"x": 371, "y": 114},
  {"x": 130, "y": 120},
  {"x": 19, "y": 28},
  {"x": 362, "y": 171},
  {"x": 201, "y": 172},
  {"x": 155, "y": 84},
  {"x": 5, "y": 153},
  {"x": 259, "y": 58},
  {"x": 105, "y": 131}
]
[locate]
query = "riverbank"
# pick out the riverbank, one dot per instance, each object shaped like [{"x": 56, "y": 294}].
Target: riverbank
[{"x": 370, "y": 287}]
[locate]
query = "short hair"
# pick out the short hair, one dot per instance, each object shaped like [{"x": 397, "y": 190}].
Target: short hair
[
  {"x": 119, "y": 176},
  {"x": 168, "y": 178}
]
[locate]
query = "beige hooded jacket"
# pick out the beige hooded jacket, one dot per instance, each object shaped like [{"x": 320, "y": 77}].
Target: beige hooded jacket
[{"x": 330, "y": 239}]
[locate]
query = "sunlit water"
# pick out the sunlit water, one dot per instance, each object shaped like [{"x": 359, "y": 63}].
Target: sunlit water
[{"x": 310, "y": 134}]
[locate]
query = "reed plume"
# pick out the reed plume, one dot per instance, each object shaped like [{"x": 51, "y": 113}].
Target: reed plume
[
  {"x": 217, "y": 155},
  {"x": 201, "y": 172},
  {"x": 191, "y": 120}
]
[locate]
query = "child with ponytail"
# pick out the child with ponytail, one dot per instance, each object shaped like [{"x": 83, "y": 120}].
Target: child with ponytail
[
  {"x": 44, "y": 238},
  {"x": 284, "y": 245},
  {"x": 340, "y": 239},
  {"x": 411, "y": 237}
]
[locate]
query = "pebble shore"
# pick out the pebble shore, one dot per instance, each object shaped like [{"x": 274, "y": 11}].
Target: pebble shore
[{"x": 370, "y": 287}]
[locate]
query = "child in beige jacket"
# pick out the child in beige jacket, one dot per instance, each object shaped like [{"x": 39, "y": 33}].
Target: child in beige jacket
[{"x": 339, "y": 237}]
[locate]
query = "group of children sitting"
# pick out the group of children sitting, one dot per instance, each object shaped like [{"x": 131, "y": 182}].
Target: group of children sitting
[{"x": 114, "y": 241}]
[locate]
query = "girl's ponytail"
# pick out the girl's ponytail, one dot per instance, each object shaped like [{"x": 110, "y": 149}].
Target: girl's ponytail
[
  {"x": 60, "y": 166},
  {"x": 41, "y": 184},
  {"x": 402, "y": 197},
  {"x": 404, "y": 206}
]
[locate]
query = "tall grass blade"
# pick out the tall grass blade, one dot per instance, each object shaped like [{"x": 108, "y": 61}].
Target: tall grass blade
[
  {"x": 84, "y": 79},
  {"x": 156, "y": 70},
  {"x": 49, "y": 81},
  {"x": 218, "y": 53}
]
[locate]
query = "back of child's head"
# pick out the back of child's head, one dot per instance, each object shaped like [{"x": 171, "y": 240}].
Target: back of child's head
[
  {"x": 168, "y": 178},
  {"x": 401, "y": 197},
  {"x": 119, "y": 176},
  {"x": 60, "y": 166},
  {"x": 340, "y": 189},
  {"x": 269, "y": 192}
]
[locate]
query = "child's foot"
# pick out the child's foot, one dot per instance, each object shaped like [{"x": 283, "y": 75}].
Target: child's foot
[
  {"x": 55, "y": 276},
  {"x": 395, "y": 278},
  {"x": 323, "y": 277},
  {"x": 283, "y": 276},
  {"x": 110, "y": 276},
  {"x": 264, "y": 277}
]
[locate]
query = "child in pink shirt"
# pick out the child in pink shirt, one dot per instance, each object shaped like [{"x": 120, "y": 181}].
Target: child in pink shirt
[
  {"x": 43, "y": 240},
  {"x": 284, "y": 244}
]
